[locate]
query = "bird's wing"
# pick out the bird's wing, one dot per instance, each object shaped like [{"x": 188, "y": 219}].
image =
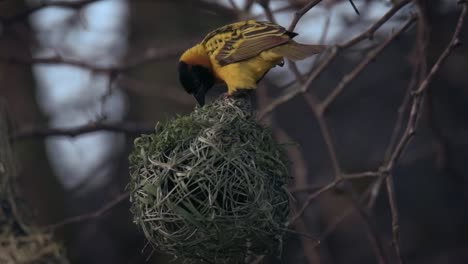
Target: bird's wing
[{"x": 244, "y": 40}]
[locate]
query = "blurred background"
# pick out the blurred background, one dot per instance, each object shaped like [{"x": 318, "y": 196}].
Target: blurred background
[{"x": 80, "y": 79}]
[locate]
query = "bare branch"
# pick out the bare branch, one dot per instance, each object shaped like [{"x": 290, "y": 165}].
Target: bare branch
[
  {"x": 369, "y": 33},
  {"x": 326, "y": 134},
  {"x": 418, "y": 73},
  {"x": 233, "y": 5},
  {"x": 395, "y": 218},
  {"x": 90, "y": 216},
  {"x": 333, "y": 225},
  {"x": 354, "y": 7},
  {"x": 300, "y": 13},
  {"x": 79, "y": 4},
  {"x": 7, "y": 21},
  {"x": 150, "y": 55},
  {"x": 348, "y": 176},
  {"x": 419, "y": 92},
  {"x": 363, "y": 64},
  {"x": 371, "y": 230},
  {"x": 265, "y": 4},
  {"x": 37, "y": 132},
  {"x": 416, "y": 106},
  {"x": 312, "y": 197},
  {"x": 454, "y": 42}
]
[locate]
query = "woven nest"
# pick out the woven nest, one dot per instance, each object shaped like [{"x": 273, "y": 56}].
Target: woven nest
[
  {"x": 20, "y": 241},
  {"x": 211, "y": 186}
]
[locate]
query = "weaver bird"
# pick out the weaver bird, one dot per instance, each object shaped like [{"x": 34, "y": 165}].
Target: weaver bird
[{"x": 239, "y": 55}]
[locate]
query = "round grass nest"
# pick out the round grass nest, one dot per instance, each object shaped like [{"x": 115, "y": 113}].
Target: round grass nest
[{"x": 211, "y": 185}]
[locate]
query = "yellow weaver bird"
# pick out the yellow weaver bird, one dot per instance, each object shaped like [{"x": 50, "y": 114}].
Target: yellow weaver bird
[{"x": 239, "y": 55}]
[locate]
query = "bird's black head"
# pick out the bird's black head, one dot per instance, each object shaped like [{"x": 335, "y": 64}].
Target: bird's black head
[{"x": 196, "y": 80}]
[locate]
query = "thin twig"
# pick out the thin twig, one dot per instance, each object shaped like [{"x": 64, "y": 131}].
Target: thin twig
[
  {"x": 326, "y": 134},
  {"x": 275, "y": 11},
  {"x": 368, "y": 34},
  {"x": 417, "y": 75},
  {"x": 90, "y": 216},
  {"x": 299, "y": 170},
  {"x": 395, "y": 218},
  {"x": 319, "y": 108},
  {"x": 333, "y": 225},
  {"x": 6, "y": 21},
  {"x": 354, "y": 7},
  {"x": 312, "y": 197},
  {"x": 42, "y": 132},
  {"x": 79, "y": 4},
  {"x": 363, "y": 64},
  {"x": 453, "y": 43},
  {"x": 348, "y": 176},
  {"x": 149, "y": 56},
  {"x": 265, "y": 4},
  {"x": 300, "y": 13},
  {"x": 234, "y": 5},
  {"x": 371, "y": 230},
  {"x": 416, "y": 106}
]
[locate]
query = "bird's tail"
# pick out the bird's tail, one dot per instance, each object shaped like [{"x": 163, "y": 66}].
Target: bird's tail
[{"x": 297, "y": 51}]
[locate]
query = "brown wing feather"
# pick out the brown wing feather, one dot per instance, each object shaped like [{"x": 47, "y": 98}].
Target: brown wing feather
[
  {"x": 244, "y": 40},
  {"x": 297, "y": 51}
]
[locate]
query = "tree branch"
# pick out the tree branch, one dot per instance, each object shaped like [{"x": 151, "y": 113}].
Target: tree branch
[
  {"x": 369, "y": 33},
  {"x": 38, "y": 132},
  {"x": 300, "y": 13},
  {"x": 22, "y": 16},
  {"x": 363, "y": 64},
  {"x": 90, "y": 216},
  {"x": 150, "y": 55},
  {"x": 417, "y": 95},
  {"x": 416, "y": 106}
]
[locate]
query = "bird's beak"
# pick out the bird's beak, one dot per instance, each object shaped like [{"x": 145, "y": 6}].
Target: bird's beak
[{"x": 200, "y": 95}]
